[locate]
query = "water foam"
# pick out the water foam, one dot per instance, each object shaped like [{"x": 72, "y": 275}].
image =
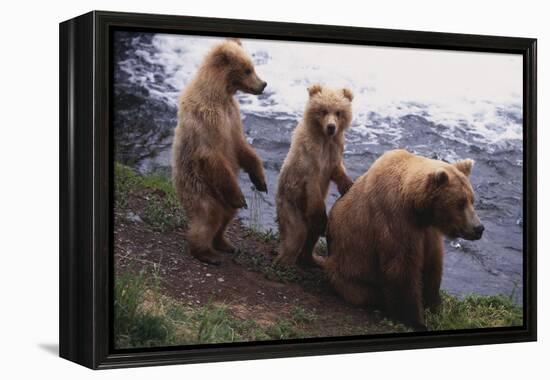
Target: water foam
[{"x": 476, "y": 93}]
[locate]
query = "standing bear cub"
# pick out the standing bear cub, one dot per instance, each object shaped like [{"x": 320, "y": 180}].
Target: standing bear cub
[
  {"x": 314, "y": 159},
  {"x": 385, "y": 236},
  {"x": 210, "y": 147}
]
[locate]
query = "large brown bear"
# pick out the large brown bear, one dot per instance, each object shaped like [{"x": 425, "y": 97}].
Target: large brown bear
[
  {"x": 385, "y": 236},
  {"x": 314, "y": 159},
  {"x": 210, "y": 147}
]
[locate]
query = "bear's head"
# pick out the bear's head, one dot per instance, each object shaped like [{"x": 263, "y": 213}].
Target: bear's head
[
  {"x": 328, "y": 111},
  {"x": 230, "y": 66},
  {"x": 446, "y": 200}
]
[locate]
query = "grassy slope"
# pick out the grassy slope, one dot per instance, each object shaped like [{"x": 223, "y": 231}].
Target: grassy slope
[{"x": 145, "y": 316}]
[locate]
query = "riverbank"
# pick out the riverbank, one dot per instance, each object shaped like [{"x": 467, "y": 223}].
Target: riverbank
[{"x": 163, "y": 296}]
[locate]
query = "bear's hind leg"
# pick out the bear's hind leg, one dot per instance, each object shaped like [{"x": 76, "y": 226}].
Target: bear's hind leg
[
  {"x": 220, "y": 241},
  {"x": 306, "y": 253},
  {"x": 293, "y": 237},
  {"x": 204, "y": 222},
  {"x": 355, "y": 292}
]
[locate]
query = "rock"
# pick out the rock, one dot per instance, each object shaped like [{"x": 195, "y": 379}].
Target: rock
[
  {"x": 221, "y": 279},
  {"x": 208, "y": 275},
  {"x": 133, "y": 217},
  {"x": 455, "y": 244}
]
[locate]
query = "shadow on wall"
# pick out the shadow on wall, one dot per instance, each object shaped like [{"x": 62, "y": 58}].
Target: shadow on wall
[{"x": 52, "y": 348}]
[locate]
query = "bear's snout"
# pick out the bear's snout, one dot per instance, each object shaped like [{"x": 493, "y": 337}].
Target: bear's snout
[
  {"x": 478, "y": 231},
  {"x": 331, "y": 129},
  {"x": 473, "y": 233},
  {"x": 260, "y": 87}
]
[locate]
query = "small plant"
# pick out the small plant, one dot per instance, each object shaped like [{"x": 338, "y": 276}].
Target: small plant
[
  {"x": 162, "y": 209},
  {"x": 387, "y": 326},
  {"x": 284, "y": 329},
  {"x": 300, "y": 315},
  {"x": 264, "y": 264},
  {"x": 267, "y": 236},
  {"x": 321, "y": 248},
  {"x": 515, "y": 288},
  {"x": 255, "y": 210},
  {"x": 125, "y": 180},
  {"x": 163, "y": 214}
]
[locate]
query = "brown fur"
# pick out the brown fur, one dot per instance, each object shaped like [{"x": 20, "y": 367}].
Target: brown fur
[
  {"x": 385, "y": 236},
  {"x": 314, "y": 159},
  {"x": 209, "y": 148}
]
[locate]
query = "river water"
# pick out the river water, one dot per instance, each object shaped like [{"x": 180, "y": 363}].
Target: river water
[{"x": 445, "y": 105}]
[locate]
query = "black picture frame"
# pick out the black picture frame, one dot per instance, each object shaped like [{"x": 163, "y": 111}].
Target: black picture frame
[{"x": 86, "y": 191}]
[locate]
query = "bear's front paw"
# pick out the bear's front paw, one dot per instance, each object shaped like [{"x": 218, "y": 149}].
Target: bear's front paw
[{"x": 259, "y": 183}]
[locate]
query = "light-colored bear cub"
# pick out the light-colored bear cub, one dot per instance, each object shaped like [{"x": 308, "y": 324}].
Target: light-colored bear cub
[
  {"x": 210, "y": 148},
  {"x": 314, "y": 159}
]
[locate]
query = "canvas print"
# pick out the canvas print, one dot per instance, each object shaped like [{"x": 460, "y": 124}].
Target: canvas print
[{"x": 276, "y": 190}]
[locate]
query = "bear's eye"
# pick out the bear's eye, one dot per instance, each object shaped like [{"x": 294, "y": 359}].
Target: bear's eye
[
  {"x": 248, "y": 71},
  {"x": 324, "y": 112},
  {"x": 462, "y": 204},
  {"x": 338, "y": 113}
]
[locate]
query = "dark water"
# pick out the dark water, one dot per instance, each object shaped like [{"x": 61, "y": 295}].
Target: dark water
[{"x": 492, "y": 265}]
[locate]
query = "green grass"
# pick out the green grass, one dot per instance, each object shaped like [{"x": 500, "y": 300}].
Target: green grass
[
  {"x": 162, "y": 210},
  {"x": 144, "y": 317},
  {"x": 474, "y": 311},
  {"x": 134, "y": 326},
  {"x": 216, "y": 325}
]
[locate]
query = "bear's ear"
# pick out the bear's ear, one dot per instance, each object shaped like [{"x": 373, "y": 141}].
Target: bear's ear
[
  {"x": 465, "y": 166},
  {"x": 439, "y": 177},
  {"x": 236, "y": 40},
  {"x": 314, "y": 89},
  {"x": 348, "y": 94},
  {"x": 221, "y": 57}
]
